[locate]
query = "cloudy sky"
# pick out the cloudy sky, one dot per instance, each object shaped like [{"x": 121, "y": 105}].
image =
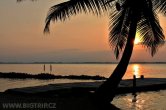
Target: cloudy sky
[{"x": 83, "y": 38}]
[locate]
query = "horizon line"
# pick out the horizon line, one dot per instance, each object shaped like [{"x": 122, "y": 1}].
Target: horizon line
[{"x": 80, "y": 62}]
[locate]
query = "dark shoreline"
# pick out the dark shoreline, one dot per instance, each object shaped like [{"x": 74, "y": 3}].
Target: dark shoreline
[
  {"x": 47, "y": 76},
  {"x": 125, "y": 86}
]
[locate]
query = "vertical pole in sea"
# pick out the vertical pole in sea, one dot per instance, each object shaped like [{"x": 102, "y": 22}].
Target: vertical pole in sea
[
  {"x": 134, "y": 89},
  {"x": 44, "y": 68},
  {"x": 134, "y": 84},
  {"x": 50, "y": 68}
]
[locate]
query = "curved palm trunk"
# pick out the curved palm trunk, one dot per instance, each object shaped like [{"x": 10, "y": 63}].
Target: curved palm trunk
[{"x": 106, "y": 92}]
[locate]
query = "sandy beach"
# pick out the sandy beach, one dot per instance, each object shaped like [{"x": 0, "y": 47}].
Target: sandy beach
[
  {"x": 73, "y": 96},
  {"x": 125, "y": 86}
]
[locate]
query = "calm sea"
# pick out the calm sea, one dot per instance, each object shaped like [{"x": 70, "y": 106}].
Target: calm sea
[{"x": 148, "y": 70}]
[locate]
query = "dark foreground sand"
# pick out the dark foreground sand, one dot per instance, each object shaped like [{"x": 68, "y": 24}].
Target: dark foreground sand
[
  {"x": 71, "y": 96},
  {"x": 68, "y": 101}
]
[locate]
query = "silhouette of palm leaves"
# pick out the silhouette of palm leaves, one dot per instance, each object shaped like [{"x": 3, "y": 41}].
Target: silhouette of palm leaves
[
  {"x": 64, "y": 10},
  {"x": 151, "y": 33}
]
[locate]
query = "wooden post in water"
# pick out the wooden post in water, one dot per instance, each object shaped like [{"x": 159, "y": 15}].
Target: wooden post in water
[
  {"x": 50, "y": 68},
  {"x": 44, "y": 68},
  {"x": 134, "y": 84},
  {"x": 134, "y": 89}
]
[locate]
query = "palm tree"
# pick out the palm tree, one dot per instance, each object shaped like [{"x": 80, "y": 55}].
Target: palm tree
[
  {"x": 126, "y": 18},
  {"x": 134, "y": 16}
]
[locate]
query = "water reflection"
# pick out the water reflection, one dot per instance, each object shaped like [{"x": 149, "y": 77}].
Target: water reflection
[
  {"x": 145, "y": 101},
  {"x": 137, "y": 105},
  {"x": 136, "y": 71}
]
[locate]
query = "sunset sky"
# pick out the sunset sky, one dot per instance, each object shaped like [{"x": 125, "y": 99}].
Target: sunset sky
[{"x": 83, "y": 38}]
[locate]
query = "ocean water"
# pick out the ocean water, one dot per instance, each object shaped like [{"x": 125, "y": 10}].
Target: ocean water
[
  {"x": 155, "y": 100},
  {"x": 148, "y": 70}
]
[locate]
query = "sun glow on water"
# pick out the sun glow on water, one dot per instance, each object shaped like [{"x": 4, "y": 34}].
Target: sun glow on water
[{"x": 136, "y": 70}]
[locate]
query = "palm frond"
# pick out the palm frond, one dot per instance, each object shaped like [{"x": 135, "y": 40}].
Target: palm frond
[
  {"x": 64, "y": 10},
  {"x": 160, "y": 5},
  {"x": 119, "y": 27},
  {"x": 150, "y": 31}
]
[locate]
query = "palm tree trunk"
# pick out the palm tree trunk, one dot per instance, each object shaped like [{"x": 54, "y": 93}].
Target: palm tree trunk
[{"x": 106, "y": 92}]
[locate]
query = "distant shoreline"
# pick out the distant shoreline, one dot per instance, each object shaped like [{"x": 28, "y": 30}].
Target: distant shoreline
[
  {"x": 47, "y": 76},
  {"x": 79, "y": 63}
]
